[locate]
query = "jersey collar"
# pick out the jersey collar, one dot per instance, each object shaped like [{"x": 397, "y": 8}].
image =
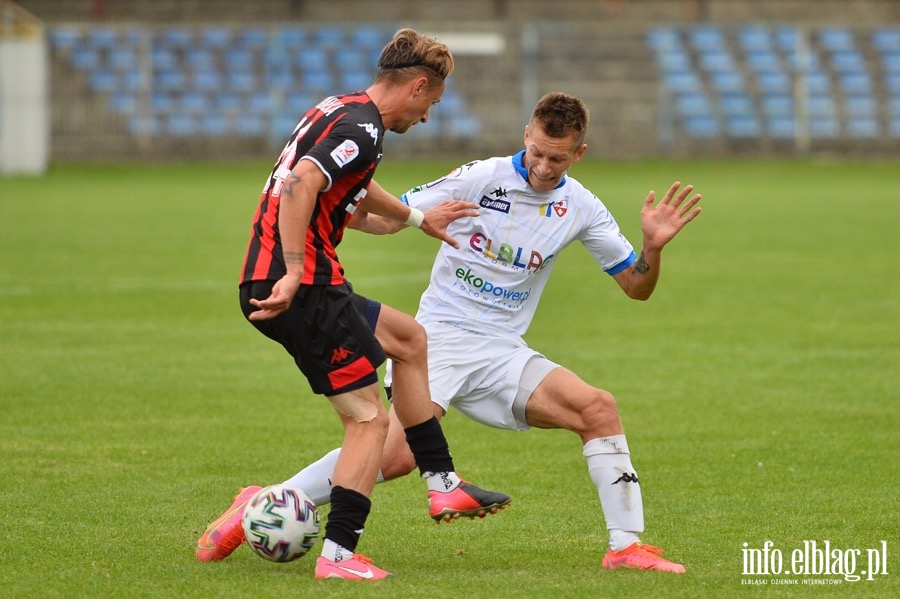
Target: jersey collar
[{"x": 519, "y": 164}]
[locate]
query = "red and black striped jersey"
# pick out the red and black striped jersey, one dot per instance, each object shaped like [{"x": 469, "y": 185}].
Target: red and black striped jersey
[{"x": 343, "y": 136}]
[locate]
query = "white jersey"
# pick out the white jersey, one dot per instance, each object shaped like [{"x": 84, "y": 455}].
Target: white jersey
[{"x": 493, "y": 283}]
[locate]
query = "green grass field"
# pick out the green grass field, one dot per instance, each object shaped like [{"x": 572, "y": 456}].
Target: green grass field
[{"x": 758, "y": 387}]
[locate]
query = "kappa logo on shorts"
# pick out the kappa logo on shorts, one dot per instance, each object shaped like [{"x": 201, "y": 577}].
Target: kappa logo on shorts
[{"x": 340, "y": 354}]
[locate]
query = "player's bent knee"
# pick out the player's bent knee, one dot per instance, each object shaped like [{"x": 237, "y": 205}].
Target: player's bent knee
[{"x": 600, "y": 410}]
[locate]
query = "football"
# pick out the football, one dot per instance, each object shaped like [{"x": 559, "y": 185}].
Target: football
[{"x": 280, "y": 523}]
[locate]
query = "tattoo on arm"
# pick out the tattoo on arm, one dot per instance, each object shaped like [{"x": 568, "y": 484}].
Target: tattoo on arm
[
  {"x": 640, "y": 265},
  {"x": 289, "y": 184},
  {"x": 293, "y": 257}
]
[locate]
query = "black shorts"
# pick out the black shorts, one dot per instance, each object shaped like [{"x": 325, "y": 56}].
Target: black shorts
[{"x": 329, "y": 331}]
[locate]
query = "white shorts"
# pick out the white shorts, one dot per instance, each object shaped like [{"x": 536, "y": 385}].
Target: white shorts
[{"x": 489, "y": 380}]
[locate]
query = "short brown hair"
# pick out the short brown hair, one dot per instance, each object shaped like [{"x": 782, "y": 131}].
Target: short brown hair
[
  {"x": 410, "y": 53},
  {"x": 560, "y": 115}
]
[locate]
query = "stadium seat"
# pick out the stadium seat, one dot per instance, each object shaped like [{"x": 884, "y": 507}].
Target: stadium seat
[
  {"x": 892, "y": 83},
  {"x": 214, "y": 125},
  {"x": 194, "y": 102},
  {"x": 699, "y": 126},
  {"x": 124, "y": 103},
  {"x": 890, "y": 61},
  {"x": 84, "y": 58},
  {"x": 861, "y": 107},
  {"x": 240, "y": 81},
  {"x": 253, "y": 38},
  {"x": 209, "y": 80},
  {"x": 886, "y": 39},
  {"x": 675, "y": 60},
  {"x": 161, "y": 102},
  {"x": 727, "y": 81},
  {"x": 848, "y": 61},
  {"x": 369, "y": 39},
  {"x": 682, "y": 81},
  {"x": 163, "y": 58},
  {"x": 773, "y": 82},
  {"x": 121, "y": 58},
  {"x": 786, "y": 38},
  {"x": 180, "y": 125},
  {"x": 169, "y": 80},
  {"x": 103, "y": 81},
  {"x": 782, "y": 127},
  {"x": 894, "y": 126},
  {"x": 693, "y": 104},
  {"x": 102, "y": 37},
  {"x": 706, "y": 37},
  {"x": 228, "y": 103},
  {"x": 64, "y": 38},
  {"x": 717, "y": 61},
  {"x": 215, "y": 37},
  {"x": 824, "y": 127},
  {"x": 836, "y": 39},
  {"x": 743, "y": 126},
  {"x": 176, "y": 38},
  {"x": 755, "y": 39},
  {"x": 200, "y": 58},
  {"x": 863, "y": 127},
  {"x": 856, "y": 83},
  {"x": 778, "y": 105},
  {"x": 664, "y": 39},
  {"x": 292, "y": 38},
  {"x": 762, "y": 61},
  {"x": 328, "y": 37}
]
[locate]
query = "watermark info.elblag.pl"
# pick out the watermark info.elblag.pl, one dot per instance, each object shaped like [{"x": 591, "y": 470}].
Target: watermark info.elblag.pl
[{"x": 813, "y": 563}]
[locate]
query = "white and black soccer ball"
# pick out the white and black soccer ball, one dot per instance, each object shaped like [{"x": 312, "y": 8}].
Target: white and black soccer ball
[{"x": 280, "y": 523}]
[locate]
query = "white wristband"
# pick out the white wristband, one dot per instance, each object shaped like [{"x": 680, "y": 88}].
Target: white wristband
[{"x": 416, "y": 217}]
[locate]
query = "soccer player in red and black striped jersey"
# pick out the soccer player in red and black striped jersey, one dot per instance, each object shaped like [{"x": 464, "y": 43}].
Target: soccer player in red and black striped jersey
[{"x": 293, "y": 290}]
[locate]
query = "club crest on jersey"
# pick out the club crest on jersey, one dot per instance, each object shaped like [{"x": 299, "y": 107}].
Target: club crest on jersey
[
  {"x": 345, "y": 152},
  {"x": 548, "y": 209}
]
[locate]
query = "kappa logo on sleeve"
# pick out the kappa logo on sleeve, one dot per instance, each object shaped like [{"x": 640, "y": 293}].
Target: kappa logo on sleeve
[{"x": 345, "y": 153}]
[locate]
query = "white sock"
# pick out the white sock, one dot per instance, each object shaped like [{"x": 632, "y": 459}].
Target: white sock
[
  {"x": 315, "y": 479},
  {"x": 617, "y": 484},
  {"x": 441, "y": 481},
  {"x": 334, "y": 552}
]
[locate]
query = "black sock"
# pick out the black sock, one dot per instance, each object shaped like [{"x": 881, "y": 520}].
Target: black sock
[
  {"x": 349, "y": 510},
  {"x": 429, "y": 446}
]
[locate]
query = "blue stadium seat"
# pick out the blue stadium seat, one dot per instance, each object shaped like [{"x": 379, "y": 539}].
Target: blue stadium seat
[
  {"x": 103, "y": 81},
  {"x": 863, "y": 127},
  {"x": 253, "y": 38},
  {"x": 176, "y": 37},
  {"x": 240, "y": 81},
  {"x": 894, "y": 106},
  {"x": 704, "y": 127},
  {"x": 682, "y": 81},
  {"x": 836, "y": 39},
  {"x": 762, "y": 61},
  {"x": 180, "y": 125},
  {"x": 773, "y": 82},
  {"x": 778, "y": 105},
  {"x": 169, "y": 80},
  {"x": 124, "y": 103},
  {"x": 121, "y": 58},
  {"x": 133, "y": 80},
  {"x": 292, "y": 38},
  {"x": 163, "y": 58},
  {"x": 755, "y": 39},
  {"x": 200, "y": 58},
  {"x": 861, "y": 107},
  {"x": 848, "y": 61},
  {"x": 194, "y": 102},
  {"x": 693, "y": 104},
  {"x": 737, "y": 105},
  {"x": 664, "y": 39},
  {"x": 824, "y": 127},
  {"x": 786, "y": 38},
  {"x": 894, "y": 126},
  {"x": 856, "y": 83},
  {"x": 259, "y": 103},
  {"x": 215, "y": 37},
  {"x": 357, "y": 80},
  {"x": 743, "y": 126},
  {"x": 102, "y": 37},
  {"x": 706, "y": 37},
  {"x": 214, "y": 125},
  {"x": 890, "y": 61},
  {"x": 84, "y": 58},
  {"x": 161, "y": 102},
  {"x": 239, "y": 59},
  {"x": 674, "y": 61},
  {"x": 64, "y": 38},
  {"x": 330, "y": 37},
  {"x": 250, "y": 125},
  {"x": 886, "y": 39},
  {"x": 228, "y": 103},
  {"x": 717, "y": 61},
  {"x": 782, "y": 127},
  {"x": 817, "y": 82},
  {"x": 208, "y": 80},
  {"x": 727, "y": 81},
  {"x": 892, "y": 83},
  {"x": 370, "y": 39}
]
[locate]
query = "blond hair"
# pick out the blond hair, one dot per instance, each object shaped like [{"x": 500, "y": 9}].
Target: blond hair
[{"x": 409, "y": 54}]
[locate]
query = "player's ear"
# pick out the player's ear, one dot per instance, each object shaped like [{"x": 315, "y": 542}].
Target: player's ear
[{"x": 579, "y": 153}]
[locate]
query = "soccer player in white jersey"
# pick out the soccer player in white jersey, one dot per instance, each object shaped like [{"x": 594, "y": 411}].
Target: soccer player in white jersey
[{"x": 482, "y": 298}]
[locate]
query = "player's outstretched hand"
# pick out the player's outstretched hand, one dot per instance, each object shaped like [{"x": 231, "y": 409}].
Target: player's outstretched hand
[
  {"x": 662, "y": 222},
  {"x": 437, "y": 218},
  {"x": 279, "y": 300}
]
